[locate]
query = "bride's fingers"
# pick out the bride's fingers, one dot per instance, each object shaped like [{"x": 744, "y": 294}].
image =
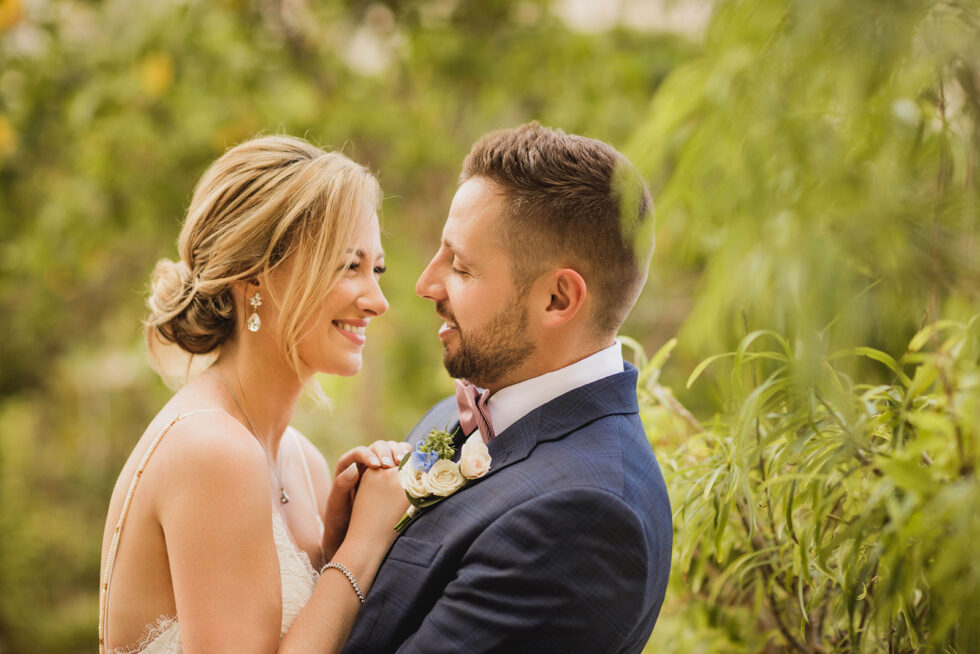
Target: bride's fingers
[
  {"x": 362, "y": 456},
  {"x": 399, "y": 450},
  {"x": 383, "y": 451},
  {"x": 345, "y": 485},
  {"x": 340, "y": 501},
  {"x": 380, "y": 454}
]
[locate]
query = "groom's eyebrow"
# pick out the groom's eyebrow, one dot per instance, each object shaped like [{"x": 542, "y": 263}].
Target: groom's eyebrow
[{"x": 449, "y": 245}]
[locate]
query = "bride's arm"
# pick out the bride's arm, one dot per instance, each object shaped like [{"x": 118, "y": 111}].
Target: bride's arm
[
  {"x": 215, "y": 512},
  {"x": 325, "y": 622}
]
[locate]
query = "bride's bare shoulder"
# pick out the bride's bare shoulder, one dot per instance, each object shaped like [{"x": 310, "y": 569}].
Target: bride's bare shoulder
[{"x": 207, "y": 454}]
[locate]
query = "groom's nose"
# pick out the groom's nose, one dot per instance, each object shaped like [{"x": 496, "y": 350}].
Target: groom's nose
[{"x": 429, "y": 285}]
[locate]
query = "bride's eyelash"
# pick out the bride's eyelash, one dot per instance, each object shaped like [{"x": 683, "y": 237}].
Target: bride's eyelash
[{"x": 356, "y": 265}]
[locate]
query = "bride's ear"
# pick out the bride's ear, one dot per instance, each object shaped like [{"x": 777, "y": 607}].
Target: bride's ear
[
  {"x": 246, "y": 286},
  {"x": 565, "y": 293}
]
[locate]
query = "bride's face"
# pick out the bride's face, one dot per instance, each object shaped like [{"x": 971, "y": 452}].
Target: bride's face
[{"x": 335, "y": 340}]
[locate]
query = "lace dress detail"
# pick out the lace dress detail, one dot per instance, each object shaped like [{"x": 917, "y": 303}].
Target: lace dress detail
[{"x": 295, "y": 571}]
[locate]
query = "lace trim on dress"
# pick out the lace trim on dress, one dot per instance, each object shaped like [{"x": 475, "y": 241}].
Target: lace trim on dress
[
  {"x": 156, "y": 635},
  {"x": 297, "y": 574}
]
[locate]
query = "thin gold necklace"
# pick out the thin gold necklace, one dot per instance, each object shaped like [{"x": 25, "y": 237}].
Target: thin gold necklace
[{"x": 283, "y": 497}]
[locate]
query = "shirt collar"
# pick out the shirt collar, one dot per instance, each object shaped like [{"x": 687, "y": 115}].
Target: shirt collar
[{"x": 510, "y": 404}]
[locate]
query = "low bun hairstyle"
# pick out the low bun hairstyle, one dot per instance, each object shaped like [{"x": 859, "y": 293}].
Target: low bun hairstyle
[
  {"x": 195, "y": 321},
  {"x": 263, "y": 201}
]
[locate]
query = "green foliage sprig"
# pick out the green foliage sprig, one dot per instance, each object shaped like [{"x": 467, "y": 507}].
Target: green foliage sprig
[{"x": 439, "y": 441}]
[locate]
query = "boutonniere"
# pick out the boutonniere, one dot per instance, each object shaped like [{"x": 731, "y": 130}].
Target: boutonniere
[{"x": 429, "y": 475}]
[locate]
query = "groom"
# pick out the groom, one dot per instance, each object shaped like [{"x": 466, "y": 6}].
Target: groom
[{"x": 564, "y": 546}]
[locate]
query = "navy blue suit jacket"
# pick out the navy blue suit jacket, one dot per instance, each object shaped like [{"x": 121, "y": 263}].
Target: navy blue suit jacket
[{"x": 564, "y": 546}]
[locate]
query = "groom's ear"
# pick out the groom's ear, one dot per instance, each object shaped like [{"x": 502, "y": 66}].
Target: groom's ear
[{"x": 564, "y": 293}]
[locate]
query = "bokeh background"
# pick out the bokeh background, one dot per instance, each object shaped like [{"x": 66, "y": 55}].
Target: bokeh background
[{"x": 815, "y": 169}]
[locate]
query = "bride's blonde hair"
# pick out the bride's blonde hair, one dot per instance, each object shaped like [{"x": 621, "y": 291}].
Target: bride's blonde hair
[{"x": 265, "y": 200}]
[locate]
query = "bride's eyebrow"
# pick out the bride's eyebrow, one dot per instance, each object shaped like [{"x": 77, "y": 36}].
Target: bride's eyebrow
[{"x": 361, "y": 254}]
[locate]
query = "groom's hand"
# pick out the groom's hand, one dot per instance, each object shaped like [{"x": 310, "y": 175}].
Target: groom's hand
[{"x": 350, "y": 466}]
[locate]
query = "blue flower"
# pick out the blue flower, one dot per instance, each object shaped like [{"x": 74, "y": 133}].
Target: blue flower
[{"x": 424, "y": 460}]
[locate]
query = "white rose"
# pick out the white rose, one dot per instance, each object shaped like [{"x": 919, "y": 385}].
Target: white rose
[
  {"x": 411, "y": 480},
  {"x": 443, "y": 478},
  {"x": 474, "y": 460}
]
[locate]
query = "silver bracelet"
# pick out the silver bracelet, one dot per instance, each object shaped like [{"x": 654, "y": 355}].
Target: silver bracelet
[{"x": 347, "y": 573}]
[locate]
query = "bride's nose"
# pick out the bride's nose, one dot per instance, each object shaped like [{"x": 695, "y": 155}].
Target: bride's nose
[{"x": 372, "y": 301}]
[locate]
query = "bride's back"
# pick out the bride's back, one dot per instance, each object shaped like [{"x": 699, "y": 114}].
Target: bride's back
[
  {"x": 142, "y": 589},
  {"x": 181, "y": 441}
]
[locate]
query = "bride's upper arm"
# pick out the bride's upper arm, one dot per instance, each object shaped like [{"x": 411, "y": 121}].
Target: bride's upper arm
[{"x": 216, "y": 515}]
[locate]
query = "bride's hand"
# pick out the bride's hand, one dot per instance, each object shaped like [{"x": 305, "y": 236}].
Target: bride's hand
[
  {"x": 350, "y": 467},
  {"x": 379, "y": 454},
  {"x": 380, "y": 503}
]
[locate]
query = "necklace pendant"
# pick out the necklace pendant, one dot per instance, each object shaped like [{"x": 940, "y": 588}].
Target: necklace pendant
[{"x": 283, "y": 498}]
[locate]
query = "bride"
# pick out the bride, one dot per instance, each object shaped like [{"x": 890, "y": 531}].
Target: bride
[{"x": 224, "y": 531}]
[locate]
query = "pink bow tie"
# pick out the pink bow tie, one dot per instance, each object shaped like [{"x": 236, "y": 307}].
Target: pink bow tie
[{"x": 473, "y": 411}]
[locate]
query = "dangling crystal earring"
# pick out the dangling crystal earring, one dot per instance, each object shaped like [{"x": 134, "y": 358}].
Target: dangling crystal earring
[{"x": 254, "y": 322}]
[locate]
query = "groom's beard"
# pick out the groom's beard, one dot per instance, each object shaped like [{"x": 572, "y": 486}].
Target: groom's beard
[{"x": 486, "y": 354}]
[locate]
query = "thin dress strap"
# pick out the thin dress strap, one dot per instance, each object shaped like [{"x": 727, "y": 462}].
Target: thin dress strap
[
  {"x": 114, "y": 544},
  {"x": 309, "y": 482}
]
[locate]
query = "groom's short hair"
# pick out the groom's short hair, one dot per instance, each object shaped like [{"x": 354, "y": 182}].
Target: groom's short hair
[{"x": 572, "y": 201}]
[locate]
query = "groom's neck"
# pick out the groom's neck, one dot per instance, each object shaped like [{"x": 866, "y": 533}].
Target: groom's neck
[{"x": 553, "y": 355}]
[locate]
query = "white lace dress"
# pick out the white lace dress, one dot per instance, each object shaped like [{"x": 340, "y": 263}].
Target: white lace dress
[{"x": 297, "y": 573}]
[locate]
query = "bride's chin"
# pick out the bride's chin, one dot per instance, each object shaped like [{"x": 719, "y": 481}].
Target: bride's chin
[{"x": 347, "y": 369}]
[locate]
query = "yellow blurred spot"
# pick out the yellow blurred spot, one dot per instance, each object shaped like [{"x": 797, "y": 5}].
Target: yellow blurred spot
[
  {"x": 11, "y": 12},
  {"x": 156, "y": 73},
  {"x": 242, "y": 127},
  {"x": 8, "y": 137}
]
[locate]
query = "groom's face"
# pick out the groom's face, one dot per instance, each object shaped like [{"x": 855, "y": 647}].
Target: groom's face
[{"x": 485, "y": 335}]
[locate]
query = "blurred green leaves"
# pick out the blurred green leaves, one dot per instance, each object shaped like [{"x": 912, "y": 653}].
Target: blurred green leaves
[
  {"x": 817, "y": 170},
  {"x": 834, "y": 515}
]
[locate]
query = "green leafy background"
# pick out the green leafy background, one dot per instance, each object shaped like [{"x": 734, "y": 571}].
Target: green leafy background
[{"x": 811, "y": 388}]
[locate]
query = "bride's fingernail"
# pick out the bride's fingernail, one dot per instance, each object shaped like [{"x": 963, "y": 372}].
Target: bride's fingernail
[
  {"x": 374, "y": 461},
  {"x": 351, "y": 471},
  {"x": 387, "y": 461}
]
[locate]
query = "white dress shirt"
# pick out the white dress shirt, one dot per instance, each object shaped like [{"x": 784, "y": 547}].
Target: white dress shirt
[{"x": 510, "y": 404}]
